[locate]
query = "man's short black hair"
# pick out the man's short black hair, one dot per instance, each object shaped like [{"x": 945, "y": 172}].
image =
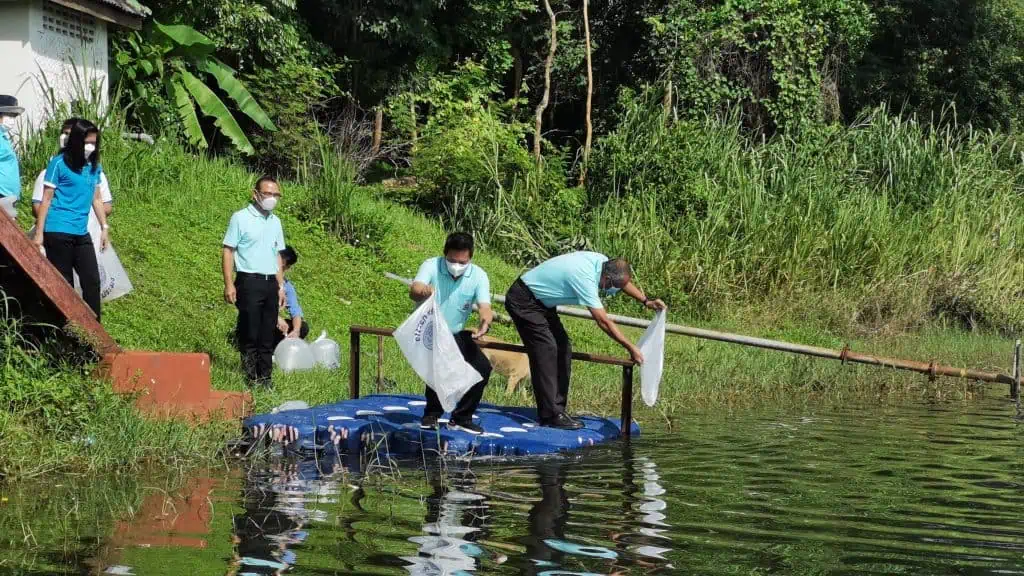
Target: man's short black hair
[
  {"x": 263, "y": 179},
  {"x": 459, "y": 241},
  {"x": 289, "y": 256}
]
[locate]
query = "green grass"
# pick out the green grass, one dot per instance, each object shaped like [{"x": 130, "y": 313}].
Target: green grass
[
  {"x": 171, "y": 210},
  {"x": 56, "y": 418}
]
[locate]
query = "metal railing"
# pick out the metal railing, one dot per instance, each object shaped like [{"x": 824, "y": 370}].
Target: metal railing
[
  {"x": 845, "y": 355},
  {"x": 355, "y": 351}
]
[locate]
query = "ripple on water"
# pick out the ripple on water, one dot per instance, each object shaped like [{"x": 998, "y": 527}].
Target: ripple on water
[{"x": 920, "y": 489}]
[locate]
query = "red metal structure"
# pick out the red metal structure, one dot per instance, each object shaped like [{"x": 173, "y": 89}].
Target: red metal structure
[{"x": 167, "y": 384}]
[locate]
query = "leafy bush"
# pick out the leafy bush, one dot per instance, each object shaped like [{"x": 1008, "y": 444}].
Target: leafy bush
[
  {"x": 777, "y": 60},
  {"x": 937, "y": 58},
  {"x": 474, "y": 171},
  {"x": 291, "y": 91},
  {"x": 335, "y": 202},
  {"x": 176, "y": 58}
]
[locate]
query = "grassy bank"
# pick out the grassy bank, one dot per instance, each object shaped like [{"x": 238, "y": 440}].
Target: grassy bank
[
  {"x": 55, "y": 418},
  {"x": 895, "y": 222},
  {"x": 171, "y": 212},
  {"x": 169, "y": 233}
]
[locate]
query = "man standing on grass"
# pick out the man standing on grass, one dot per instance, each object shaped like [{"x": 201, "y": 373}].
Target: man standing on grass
[
  {"x": 252, "y": 247},
  {"x": 10, "y": 175},
  {"x": 457, "y": 285},
  {"x": 578, "y": 279}
]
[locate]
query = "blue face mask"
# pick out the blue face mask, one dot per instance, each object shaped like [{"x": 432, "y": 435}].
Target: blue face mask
[{"x": 609, "y": 292}]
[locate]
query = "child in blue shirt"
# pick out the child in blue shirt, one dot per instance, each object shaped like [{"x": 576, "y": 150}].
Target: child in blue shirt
[
  {"x": 71, "y": 190},
  {"x": 295, "y": 326}
]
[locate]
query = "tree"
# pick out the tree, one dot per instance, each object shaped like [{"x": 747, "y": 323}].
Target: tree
[
  {"x": 774, "y": 60},
  {"x": 177, "y": 57},
  {"x": 928, "y": 54},
  {"x": 548, "y": 63},
  {"x": 590, "y": 94}
]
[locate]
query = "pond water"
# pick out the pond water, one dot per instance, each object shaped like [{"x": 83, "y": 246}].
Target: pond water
[{"x": 918, "y": 489}]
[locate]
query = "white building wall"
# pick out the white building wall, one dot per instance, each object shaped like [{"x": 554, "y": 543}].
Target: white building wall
[
  {"x": 15, "y": 51},
  {"x": 62, "y": 58}
]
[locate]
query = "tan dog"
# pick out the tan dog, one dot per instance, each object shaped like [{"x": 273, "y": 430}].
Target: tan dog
[{"x": 515, "y": 366}]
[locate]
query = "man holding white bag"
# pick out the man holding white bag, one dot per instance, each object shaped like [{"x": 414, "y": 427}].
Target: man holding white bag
[
  {"x": 457, "y": 285},
  {"x": 574, "y": 279}
]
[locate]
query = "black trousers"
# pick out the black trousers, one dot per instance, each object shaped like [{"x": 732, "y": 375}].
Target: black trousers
[
  {"x": 70, "y": 253},
  {"x": 467, "y": 405},
  {"x": 278, "y": 336},
  {"x": 547, "y": 345},
  {"x": 549, "y": 516},
  {"x": 257, "y": 324}
]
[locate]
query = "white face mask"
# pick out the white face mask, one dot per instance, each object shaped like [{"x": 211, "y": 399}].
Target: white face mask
[
  {"x": 269, "y": 203},
  {"x": 456, "y": 269},
  {"x": 62, "y": 141},
  {"x": 9, "y": 123},
  {"x": 89, "y": 150}
]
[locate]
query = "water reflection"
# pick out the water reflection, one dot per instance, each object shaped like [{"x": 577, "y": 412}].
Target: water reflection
[
  {"x": 469, "y": 522},
  {"x": 277, "y": 512},
  {"x": 915, "y": 491},
  {"x": 455, "y": 521}
]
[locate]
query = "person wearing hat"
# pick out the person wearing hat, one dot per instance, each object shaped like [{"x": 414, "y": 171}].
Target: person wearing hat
[{"x": 10, "y": 175}]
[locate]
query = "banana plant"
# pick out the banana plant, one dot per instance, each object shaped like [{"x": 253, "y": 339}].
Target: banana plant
[{"x": 180, "y": 59}]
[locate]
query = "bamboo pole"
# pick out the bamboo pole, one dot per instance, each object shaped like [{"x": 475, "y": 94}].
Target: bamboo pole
[{"x": 845, "y": 355}]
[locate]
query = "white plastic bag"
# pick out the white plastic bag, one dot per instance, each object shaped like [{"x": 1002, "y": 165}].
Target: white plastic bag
[
  {"x": 326, "y": 352},
  {"x": 114, "y": 281},
  {"x": 652, "y": 346},
  {"x": 430, "y": 348},
  {"x": 293, "y": 354}
]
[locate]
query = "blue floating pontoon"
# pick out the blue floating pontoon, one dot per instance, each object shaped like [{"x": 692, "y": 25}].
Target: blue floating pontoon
[{"x": 390, "y": 424}]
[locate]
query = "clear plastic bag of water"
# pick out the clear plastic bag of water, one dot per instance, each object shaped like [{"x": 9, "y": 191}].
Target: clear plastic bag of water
[
  {"x": 326, "y": 352},
  {"x": 293, "y": 354},
  {"x": 652, "y": 346}
]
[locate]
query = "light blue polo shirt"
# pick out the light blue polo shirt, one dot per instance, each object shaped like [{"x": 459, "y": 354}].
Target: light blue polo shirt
[
  {"x": 257, "y": 240},
  {"x": 72, "y": 196},
  {"x": 10, "y": 176},
  {"x": 455, "y": 297},
  {"x": 571, "y": 279}
]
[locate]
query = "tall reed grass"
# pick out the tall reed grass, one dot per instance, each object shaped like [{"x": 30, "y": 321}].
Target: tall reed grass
[
  {"x": 889, "y": 211},
  {"x": 893, "y": 220}
]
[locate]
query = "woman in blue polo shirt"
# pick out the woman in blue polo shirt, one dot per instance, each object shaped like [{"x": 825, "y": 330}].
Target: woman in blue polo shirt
[{"x": 71, "y": 190}]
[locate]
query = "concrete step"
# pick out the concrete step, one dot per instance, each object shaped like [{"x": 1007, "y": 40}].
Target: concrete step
[
  {"x": 160, "y": 378},
  {"x": 173, "y": 385}
]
